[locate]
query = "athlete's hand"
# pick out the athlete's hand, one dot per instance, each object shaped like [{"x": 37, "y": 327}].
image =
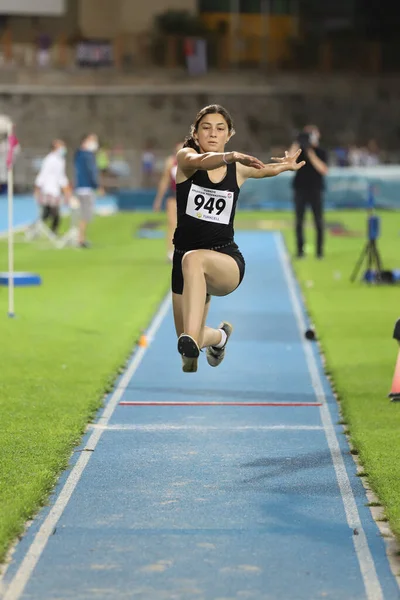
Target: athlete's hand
[
  {"x": 290, "y": 160},
  {"x": 246, "y": 160}
]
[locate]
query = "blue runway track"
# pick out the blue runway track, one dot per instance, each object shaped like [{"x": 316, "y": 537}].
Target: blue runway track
[{"x": 231, "y": 483}]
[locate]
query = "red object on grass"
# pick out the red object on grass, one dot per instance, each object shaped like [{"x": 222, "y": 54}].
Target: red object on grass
[{"x": 155, "y": 403}]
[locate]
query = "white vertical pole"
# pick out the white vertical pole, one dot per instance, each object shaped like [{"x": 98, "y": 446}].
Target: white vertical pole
[{"x": 10, "y": 190}]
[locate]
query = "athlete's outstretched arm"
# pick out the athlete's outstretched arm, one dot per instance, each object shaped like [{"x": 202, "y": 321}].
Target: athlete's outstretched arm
[
  {"x": 190, "y": 160},
  {"x": 287, "y": 163}
]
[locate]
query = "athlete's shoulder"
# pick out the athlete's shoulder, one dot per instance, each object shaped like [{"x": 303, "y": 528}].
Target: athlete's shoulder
[
  {"x": 183, "y": 152},
  {"x": 186, "y": 168}
]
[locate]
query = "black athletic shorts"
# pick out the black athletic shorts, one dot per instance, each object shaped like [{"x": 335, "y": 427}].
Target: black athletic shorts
[{"x": 230, "y": 250}]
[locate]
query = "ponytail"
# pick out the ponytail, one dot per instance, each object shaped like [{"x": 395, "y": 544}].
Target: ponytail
[{"x": 190, "y": 143}]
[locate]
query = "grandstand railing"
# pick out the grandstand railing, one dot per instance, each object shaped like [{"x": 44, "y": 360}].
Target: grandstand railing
[{"x": 137, "y": 53}]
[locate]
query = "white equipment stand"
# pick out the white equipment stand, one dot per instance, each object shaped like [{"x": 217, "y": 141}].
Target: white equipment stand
[
  {"x": 70, "y": 238},
  {"x": 39, "y": 229}
]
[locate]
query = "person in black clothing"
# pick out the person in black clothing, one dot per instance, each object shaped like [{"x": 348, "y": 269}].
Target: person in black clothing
[
  {"x": 207, "y": 261},
  {"x": 308, "y": 186}
]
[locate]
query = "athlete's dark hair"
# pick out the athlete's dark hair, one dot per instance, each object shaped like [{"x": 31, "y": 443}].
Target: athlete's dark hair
[{"x": 212, "y": 109}]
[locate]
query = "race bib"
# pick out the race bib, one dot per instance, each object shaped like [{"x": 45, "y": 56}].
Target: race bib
[{"x": 210, "y": 205}]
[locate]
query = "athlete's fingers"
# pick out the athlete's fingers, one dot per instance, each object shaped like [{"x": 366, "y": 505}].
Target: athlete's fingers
[
  {"x": 255, "y": 162},
  {"x": 256, "y": 159},
  {"x": 298, "y": 166},
  {"x": 259, "y": 163},
  {"x": 278, "y": 158}
]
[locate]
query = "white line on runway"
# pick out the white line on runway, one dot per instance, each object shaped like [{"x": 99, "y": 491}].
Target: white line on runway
[
  {"x": 371, "y": 582},
  {"x": 165, "y": 427}
]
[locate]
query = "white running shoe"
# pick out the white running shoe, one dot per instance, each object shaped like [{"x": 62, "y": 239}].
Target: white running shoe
[
  {"x": 189, "y": 350},
  {"x": 214, "y": 355}
]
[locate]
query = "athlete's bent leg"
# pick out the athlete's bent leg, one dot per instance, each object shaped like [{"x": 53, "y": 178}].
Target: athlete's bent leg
[
  {"x": 187, "y": 347},
  {"x": 208, "y": 336},
  {"x": 205, "y": 271}
]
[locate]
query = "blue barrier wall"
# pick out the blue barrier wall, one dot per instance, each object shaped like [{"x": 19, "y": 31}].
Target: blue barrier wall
[
  {"x": 346, "y": 187},
  {"x": 25, "y": 209}
]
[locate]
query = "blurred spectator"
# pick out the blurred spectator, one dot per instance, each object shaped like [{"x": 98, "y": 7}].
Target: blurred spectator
[
  {"x": 103, "y": 164},
  {"x": 86, "y": 182},
  {"x": 119, "y": 167},
  {"x": 167, "y": 189},
  {"x": 148, "y": 165},
  {"x": 355, "y": 156},
  {"x": 372, "y": 154},
  {"x": 43, "y": 43},
  {"x": 365, "y": 156},
  {"x": 52, "y": 184},
  {"x": 341, "y": 156},
  {"x": 103, "y": 159}
]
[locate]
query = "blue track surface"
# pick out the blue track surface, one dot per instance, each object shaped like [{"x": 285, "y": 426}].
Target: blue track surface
[
  {"x": 214, "y": 502},
  {"x": 24, "y": 210}
]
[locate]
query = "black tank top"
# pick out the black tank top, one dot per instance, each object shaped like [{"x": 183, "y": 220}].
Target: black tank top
[{"x": 206, "y": 211}]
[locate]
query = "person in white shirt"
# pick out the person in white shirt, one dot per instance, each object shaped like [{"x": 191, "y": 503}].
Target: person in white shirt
[{"x": 52, "y": 184}]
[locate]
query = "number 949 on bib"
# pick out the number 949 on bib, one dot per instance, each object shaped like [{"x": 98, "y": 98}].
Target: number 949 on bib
[{"x": 210, "y": 205}]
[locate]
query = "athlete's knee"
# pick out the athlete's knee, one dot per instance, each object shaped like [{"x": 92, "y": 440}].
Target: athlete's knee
[{"x": 192, "y": 261}]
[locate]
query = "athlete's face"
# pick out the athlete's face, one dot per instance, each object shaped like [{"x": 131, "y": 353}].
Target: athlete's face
[{"x": 212, "y": 133}]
